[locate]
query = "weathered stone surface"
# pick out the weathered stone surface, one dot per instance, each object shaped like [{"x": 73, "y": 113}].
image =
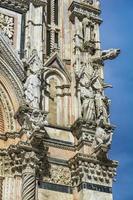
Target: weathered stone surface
[
  {"x": 50, "y": 195},
  {"x": 55, "y": 128},
  {"x": 93, "y": 195}
]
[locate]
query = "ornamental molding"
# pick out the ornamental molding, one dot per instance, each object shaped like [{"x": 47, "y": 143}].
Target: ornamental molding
[
  {"x": 59, "y": 175},
  {"x": 82, "y": 10},
  {"x": 11, "y": 66},
  {"x": 21, "y": 6},
  {"x": 8, "y": 111},
  {"x": 91, "y": 170},
  {"x": 9, "y": 54},
  {"x": 7, "y": 25}
]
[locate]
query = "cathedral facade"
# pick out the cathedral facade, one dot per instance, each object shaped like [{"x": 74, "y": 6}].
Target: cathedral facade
[{"x": 55, "y": 131}]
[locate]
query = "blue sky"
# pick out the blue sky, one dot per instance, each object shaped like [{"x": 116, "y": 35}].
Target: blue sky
[{"x": 117, "y": 32}]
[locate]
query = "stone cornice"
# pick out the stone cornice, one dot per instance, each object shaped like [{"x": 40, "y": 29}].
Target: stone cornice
[
  {"x": 82, "y": 9},
  {"x": 89, "y": 169},
  {"x": 21, "y": 6},
  {"x": 85, "y": 6},
  {"x": 88, "y": 158}
]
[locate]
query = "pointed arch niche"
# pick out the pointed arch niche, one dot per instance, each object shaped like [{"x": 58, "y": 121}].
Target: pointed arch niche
[
  {"x": 8, "y": 106},
  {"x": 57, "y": 98}
]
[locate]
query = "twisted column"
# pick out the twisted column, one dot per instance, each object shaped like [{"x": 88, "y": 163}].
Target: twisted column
[
  {"x": 28, "y": 186},
  {"x": 1, "y": 185}
]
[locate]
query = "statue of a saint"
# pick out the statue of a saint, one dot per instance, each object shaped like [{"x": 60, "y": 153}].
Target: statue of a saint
[
  {"x": 32, "y": 90},
  {"x": 101, "y": 107},
  {"x": 86, "y": 29},
  {"x": 86, "y": 96}
]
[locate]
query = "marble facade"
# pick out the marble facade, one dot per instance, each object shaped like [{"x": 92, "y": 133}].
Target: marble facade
[{"x": 55, "y": 128}]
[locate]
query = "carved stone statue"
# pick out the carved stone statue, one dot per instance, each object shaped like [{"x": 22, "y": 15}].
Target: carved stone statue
[
  {"x": 32, "y": 87},
  {"x": 34, "y": 121},
  {"x": 78, "y": 33},
  {"x": 102, "y": 136},
  {"x": 101, "y": 107},
  {"x": 86, "y": 29},
  {"x": 32, "y": 90},
  {"x": 101, "y": 101},
  {"x": 87, "y": 96}
]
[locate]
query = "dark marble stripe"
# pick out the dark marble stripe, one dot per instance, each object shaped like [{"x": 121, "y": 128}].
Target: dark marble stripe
[
  {"x": 56, "y": 187},
  {"x": 69, "y": 189},
  {"x": 95, "y": 187},
  {"x": 58, "y": 161}
]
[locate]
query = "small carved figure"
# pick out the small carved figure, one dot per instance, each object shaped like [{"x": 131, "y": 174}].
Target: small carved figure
[
  {"x": 86, "y": 95},
  {"x": 32, "y": 90},
  {"x": 34, "y": 121},
  {"x": 103, "y": 136},
  {"x": 86, "y": 29},
  {"x": 78, "y": 33},
  {"x": 97, "y": 3},
  {"x": 101, "y": 107}
]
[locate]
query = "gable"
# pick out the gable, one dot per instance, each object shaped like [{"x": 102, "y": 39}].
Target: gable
[{"x": 55, "y": 62}]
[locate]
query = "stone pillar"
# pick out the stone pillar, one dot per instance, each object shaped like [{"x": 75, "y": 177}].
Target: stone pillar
[
  {"x": 52, "y": 37},
  {"x": 28, "y": 184},
  {"x": 34, "y": 28},
  {"x": 29, "y": 176}
]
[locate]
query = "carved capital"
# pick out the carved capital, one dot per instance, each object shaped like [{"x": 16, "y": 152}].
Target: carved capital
[{"x": 26, "y": 158}]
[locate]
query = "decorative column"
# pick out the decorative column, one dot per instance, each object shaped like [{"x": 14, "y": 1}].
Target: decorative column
[
  {"x": 34, "y": 28},
  {"x": 29, "y": 177},
  {"x": 28, "y": 159},
  {"x": 1, "y": 186}
]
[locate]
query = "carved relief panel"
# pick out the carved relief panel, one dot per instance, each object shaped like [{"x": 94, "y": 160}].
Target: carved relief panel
[{"x": 10, "y": 25}]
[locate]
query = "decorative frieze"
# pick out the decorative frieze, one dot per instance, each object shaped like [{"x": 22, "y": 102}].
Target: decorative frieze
[
  {"x": 5, "y": 164},
  {"x": 7, "y": 25},
  {"x": 59, "y": 175},
  {"x": 87, "y": 169},
  {"x": 82, "y": 9},
  {"x": 21, "y": 5}
]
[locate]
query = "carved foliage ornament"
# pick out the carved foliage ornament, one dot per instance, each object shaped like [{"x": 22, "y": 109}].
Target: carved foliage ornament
[
  {"x": 7, "y": 25},
  {"x": 59, "y": 175}
]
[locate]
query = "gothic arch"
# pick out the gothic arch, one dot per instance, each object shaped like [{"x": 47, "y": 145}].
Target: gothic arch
[
  {"x": 8, "y": 106},
  {"x": 58, "y": 85},
  {"x": 11, "y": 76}
]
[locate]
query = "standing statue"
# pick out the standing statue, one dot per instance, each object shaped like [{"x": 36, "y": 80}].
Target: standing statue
[
  {"x": 32, "y": 90},
  {"x": 32, "y": 87},
  {"x": 78, "y": 34},
  {"x": 101, "y": 107},
  {"x": 86, "y": 29},
  {"x": 101, "y": 101},
  {"x": 86, "y": 95}
]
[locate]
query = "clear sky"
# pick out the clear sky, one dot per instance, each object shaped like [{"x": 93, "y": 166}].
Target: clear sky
[{"x": 117, "y": 32}]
